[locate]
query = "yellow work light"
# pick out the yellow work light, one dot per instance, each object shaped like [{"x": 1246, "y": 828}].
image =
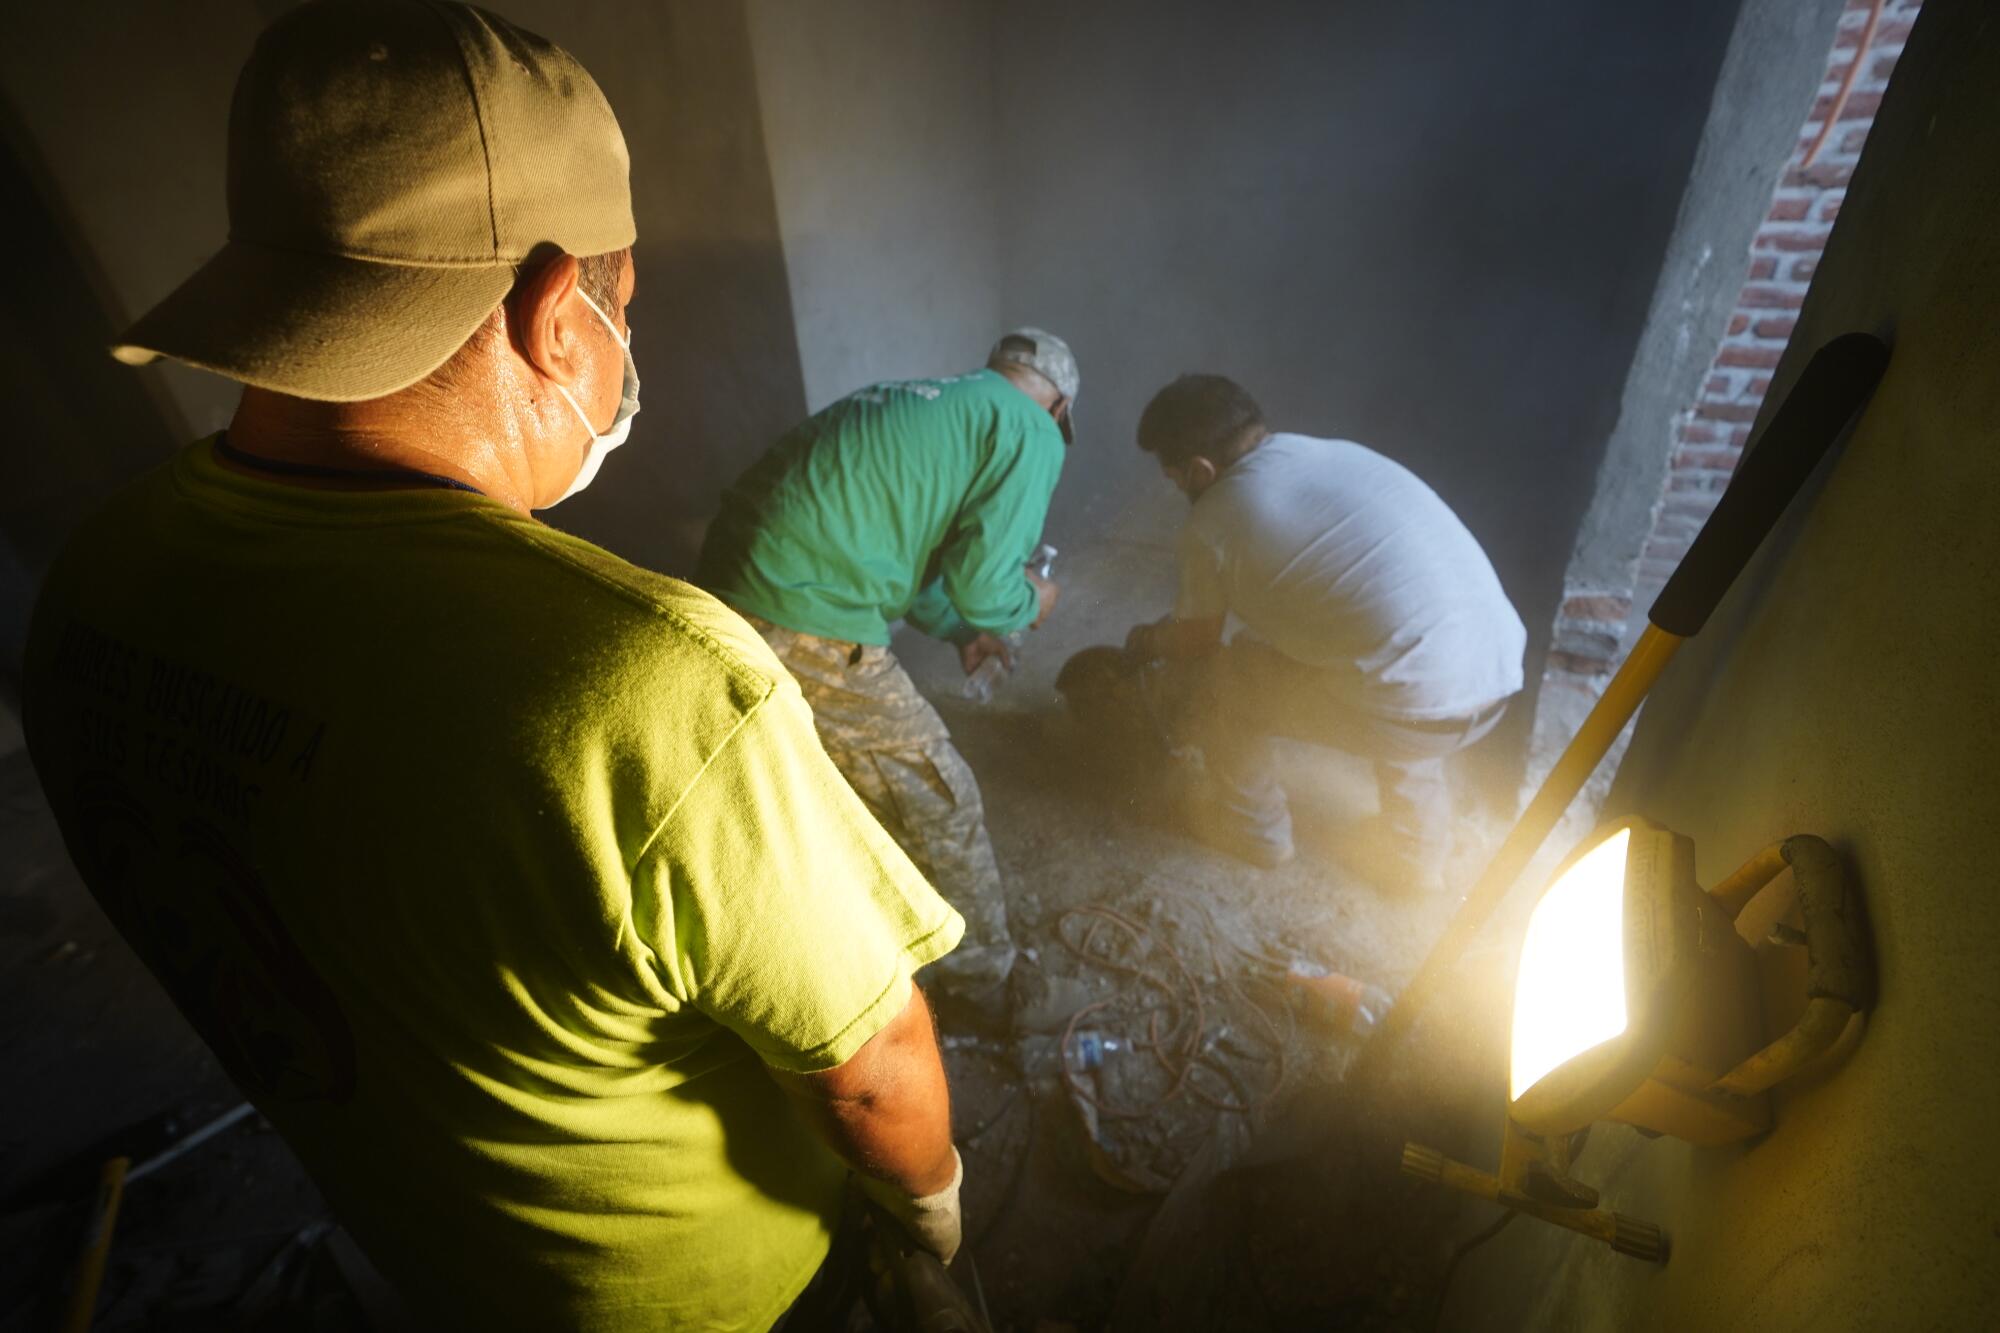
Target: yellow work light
[
  {"x": 1637, "y": 1000},
  {"x": 1635, "y": 996},
  {"x": 1570, "y": 995}
]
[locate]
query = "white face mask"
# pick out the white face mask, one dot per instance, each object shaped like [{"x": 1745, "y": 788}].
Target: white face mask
[{"x": 621, "y": 424}]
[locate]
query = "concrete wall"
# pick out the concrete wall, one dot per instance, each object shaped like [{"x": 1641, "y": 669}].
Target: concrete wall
[
  {"x": 1430, "y": 226},
  {"x": 125, "y": 106},
  {"x": 717, "y": 351},
  {"x": 1845, "y": 688},
  {"x": 880, "y": 121},
  {"x": 111, "y": 188},
  {"x": 1777, "y": 59}
]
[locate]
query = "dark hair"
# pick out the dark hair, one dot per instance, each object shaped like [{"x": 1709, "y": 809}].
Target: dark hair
[
  {"x": 1209, "y": 416},
  {"x": 598, "y": 275}
]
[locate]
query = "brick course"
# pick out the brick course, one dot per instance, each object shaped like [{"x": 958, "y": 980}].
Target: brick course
[
  {"x": 1784, "y": 256},
  {"x": 1709, "y": 435}
]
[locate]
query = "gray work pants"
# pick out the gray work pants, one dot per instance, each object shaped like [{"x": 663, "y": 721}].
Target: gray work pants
[
  {"x": 892, "y": 747},
  {"x": 1248, "y": 694}
]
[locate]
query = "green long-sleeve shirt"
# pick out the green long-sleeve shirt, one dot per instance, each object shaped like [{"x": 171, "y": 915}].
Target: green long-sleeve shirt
[{"x": 918, "y": 500}]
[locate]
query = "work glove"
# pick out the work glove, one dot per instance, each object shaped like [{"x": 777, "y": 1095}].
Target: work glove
[{"x": 934, "y": 1221}]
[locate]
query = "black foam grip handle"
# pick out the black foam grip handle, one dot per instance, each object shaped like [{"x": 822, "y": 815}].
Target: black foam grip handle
[{"x": 1831, "y": 389}]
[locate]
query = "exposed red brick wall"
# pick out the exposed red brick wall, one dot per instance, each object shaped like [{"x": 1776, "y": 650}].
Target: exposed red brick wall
[{"x": 1710, "y": 435}]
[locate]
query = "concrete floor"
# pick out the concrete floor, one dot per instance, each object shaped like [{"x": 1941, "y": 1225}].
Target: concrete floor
[
  {"x": 99, "y": 1061},
  {"x": 1289, "y": 1217},
  {"x": 1185, "y": 1216}
]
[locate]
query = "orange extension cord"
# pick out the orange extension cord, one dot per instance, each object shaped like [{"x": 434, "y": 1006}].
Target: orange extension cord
[
  {"x": 1846, "y": 85},
  {"x": 1178, "y": 1048}
]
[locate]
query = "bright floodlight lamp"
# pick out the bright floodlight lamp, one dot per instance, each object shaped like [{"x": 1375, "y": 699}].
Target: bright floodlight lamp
[
  {"x": 1637, "y": 1000},
  {"x": 1635, "y": 995}
]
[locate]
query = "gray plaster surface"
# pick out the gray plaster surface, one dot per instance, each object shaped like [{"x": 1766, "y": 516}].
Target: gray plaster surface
[
  {"x": 1775, "y": 62},
  {"x": 1773, "y": 68},
  {"x": 1431, "y": 227},
  {"x": 881, "y": 121},
  {"x": 1844, "y": 688}
]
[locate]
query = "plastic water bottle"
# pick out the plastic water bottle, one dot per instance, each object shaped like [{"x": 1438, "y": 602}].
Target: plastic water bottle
[
  {"x": 1092, "y": 1046},
  {"x": 986, "y": 677},
  {"x": 988, "y": 674}
]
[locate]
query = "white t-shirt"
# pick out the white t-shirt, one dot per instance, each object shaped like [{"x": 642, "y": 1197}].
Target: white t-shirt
[{"x": 1344, "y": 560}]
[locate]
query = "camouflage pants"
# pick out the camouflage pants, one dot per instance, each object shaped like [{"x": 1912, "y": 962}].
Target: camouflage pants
[{"x": 892, "y": 747}]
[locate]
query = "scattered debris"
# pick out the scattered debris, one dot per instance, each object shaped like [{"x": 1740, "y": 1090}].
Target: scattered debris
[
  {"x": 1336, "y": 1003},
  {"x": 280, "y": 1279},
  {"x": 1169, "y": 1024},
  {"x": 242, "y": 1111}
]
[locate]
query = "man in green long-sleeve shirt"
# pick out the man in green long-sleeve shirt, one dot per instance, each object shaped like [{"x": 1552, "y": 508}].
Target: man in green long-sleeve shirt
[{"x": 920, "y": 501}]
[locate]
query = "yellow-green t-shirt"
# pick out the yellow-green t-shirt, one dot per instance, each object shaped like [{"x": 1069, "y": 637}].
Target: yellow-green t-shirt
[{"x": 495, "y": 870}]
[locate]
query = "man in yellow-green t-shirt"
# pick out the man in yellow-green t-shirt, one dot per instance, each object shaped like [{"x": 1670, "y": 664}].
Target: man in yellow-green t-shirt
[{"x": 508, "y": 879}]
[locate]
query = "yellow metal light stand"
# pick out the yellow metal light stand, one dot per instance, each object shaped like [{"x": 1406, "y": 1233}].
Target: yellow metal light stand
[
  {"x": 1614, "y": 708},
  {"x": 1627, "y": 1235},
  {"x": 1831, "y": 389},
  {"x": 1840, "y": 981}
]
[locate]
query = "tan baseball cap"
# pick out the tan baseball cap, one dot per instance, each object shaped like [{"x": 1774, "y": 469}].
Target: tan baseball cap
[{"x": 390, "y": 163}]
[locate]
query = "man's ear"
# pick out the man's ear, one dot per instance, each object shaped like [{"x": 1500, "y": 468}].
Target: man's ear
[
  {"x": 1201, "y": 471},
  {"x": 545, "y": 318}
]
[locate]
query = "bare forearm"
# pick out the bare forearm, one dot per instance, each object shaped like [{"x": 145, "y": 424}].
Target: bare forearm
[
  {"x": 887, "y": 1111},
  {"x": 896, "y": 1136}
]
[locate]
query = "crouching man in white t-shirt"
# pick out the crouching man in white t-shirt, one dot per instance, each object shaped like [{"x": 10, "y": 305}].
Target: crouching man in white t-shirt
[{"x": 1373, "y": 622}]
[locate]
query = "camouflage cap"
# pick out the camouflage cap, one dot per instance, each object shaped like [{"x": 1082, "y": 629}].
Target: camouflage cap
[{"x": 1046, "y": 355}]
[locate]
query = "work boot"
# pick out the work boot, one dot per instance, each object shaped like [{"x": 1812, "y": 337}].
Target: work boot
[
  {"x": 1392, "y": 864},
  {"x": 972, "y": 967},
  {"x": 968, "y": 987},
  {"x": 971, "y": 971},
  {"x": 1265, "y": 850}
]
